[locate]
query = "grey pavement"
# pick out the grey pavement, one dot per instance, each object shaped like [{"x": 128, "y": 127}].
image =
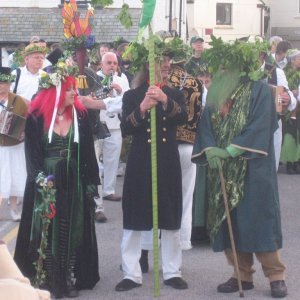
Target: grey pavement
[{"x": 201, "y": 268}]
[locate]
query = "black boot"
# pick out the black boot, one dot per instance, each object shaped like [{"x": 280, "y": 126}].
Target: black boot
[
  {"x": 71, "y": 291},
  {"x": 144, "y": 261}
]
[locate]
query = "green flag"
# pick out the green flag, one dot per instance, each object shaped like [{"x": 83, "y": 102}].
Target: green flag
[{"x": 147, "y": 12}]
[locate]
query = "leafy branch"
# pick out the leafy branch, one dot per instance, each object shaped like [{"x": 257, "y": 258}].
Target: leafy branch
[
  {"x": 102, "y": 3},
  {"x": 125, "y": 17},
  {"x": 245, "y": 56}
]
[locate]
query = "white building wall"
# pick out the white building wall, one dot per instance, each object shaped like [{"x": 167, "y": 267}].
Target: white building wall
[
  {"x": 131, "y": 3},
  {"x": 286, "y": 15},
  {"x": 246, "y": 19},
  {"x": 285, "y": 20},
  {"x": 161, "y": 16}
]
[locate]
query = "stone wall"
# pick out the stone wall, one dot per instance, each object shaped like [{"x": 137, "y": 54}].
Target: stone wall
[{"x": 19, "y": 24}]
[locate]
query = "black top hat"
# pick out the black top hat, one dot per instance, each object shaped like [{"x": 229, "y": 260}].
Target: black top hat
[
  {"x": 55, "y": 55},
  {"x": 5, "y": 75}
]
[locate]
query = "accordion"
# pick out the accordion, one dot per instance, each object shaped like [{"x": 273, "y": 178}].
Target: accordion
[
  {"x": 277, "y": 91},
  {"x": 12, "y": 125}
]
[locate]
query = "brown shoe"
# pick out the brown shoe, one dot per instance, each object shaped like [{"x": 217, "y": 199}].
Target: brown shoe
[
  {"x": 278, "y": 289},
  {"x": 100, "y": 217},
  {"x": 231, "y": 286},
  {"x": 112, "y": 197}
]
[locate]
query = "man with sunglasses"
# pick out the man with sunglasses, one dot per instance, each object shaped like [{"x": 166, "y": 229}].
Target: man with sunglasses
[{"x": 110, "y": 106}]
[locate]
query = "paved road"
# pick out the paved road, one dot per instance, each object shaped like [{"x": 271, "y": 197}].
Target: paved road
[{"x": 202, "y": 268}]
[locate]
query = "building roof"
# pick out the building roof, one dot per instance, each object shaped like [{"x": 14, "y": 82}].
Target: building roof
[{"x": 20, "y": 24}]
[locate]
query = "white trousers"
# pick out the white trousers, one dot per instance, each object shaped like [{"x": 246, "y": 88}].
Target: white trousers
[
  {"x": 171, "y": 254},
  {"x": 111, "y": 156},
  {"x": 98, "y": 144},
  {"x": 277, "y": 143},
  {"x": 12, "y": 171},
  {"x": 147, "y": 239},
  {"x": 188, "y": 170}
]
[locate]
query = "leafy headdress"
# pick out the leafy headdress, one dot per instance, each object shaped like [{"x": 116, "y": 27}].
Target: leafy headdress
[
  {"x": 60, "y": 71},
  {"x": 231, "y": 63},
  {"x": 138, "y": 51}
]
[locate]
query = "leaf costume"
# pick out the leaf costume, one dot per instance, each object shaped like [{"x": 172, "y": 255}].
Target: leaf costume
[{"x": 251, "y": 181}]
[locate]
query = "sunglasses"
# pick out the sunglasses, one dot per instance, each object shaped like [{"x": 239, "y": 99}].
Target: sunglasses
[{"x": 111, "y": 62}]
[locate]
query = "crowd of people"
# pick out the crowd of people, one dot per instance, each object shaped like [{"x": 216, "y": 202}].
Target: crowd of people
[{"x": 237, "y": 117}]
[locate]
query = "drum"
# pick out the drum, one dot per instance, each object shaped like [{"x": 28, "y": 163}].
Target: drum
[{"x": 12, "y": 125}]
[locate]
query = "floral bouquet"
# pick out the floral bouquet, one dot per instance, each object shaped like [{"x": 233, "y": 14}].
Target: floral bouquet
[{"x": 47, "y": 212}]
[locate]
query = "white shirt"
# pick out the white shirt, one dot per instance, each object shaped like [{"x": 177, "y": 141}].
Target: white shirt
[
  {"x": 114, "y": 103},
  {"x": 282, "y": 81},
  {"x": 28, "y": 83}
]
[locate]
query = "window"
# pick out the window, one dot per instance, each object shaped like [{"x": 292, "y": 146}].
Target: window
[{"x": 224, "y": 11}]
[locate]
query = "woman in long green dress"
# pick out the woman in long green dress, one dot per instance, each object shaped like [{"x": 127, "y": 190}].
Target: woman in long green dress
[{"x": 58, "y": 142}]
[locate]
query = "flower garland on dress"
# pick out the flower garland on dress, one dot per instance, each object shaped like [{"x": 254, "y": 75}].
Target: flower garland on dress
[{"x": 47, "y": 212}]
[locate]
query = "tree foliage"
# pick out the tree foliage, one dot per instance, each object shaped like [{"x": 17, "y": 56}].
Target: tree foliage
[
  {"x": 125, "y": 17},
  {"x": 102, "y": 3}
]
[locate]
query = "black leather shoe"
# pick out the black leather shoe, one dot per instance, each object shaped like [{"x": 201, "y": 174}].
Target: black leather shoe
[
  {"x": 278, "y": 289},
  {"x": 231, "y": 286},
  {"x": 126, "y": 285},
  {"x": 176, "y": 283}
]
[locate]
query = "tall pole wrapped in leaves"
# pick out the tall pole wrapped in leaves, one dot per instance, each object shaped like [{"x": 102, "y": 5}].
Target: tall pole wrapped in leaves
[{"x": 146, "y": 17}]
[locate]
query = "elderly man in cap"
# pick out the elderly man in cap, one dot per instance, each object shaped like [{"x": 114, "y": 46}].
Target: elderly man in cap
[
  {"x": 12, "y": 157},
  {"x": 27, "y": 77},
  {"x": 193, "y": 66}
]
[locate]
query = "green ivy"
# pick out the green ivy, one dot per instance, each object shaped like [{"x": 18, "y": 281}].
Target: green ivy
[
  {"x": 102, "y": 3},
  {"x": 293, "y": 77},
  {"x": 137, "y": 52},
  {"x": 240, "y": 54},
  {"x": 125, "y": 17}
]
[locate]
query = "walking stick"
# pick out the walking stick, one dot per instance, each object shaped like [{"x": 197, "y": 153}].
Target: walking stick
[
  {"x": 154, "y": 170},
  {"x": 146, "y": 17},
  {"x": 235, "y": 260}
]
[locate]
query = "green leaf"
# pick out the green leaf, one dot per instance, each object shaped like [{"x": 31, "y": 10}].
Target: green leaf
[
  {"x": 102, "y": 3},
  {"x": 147, "y": 12},
  {"x": 125, "y": 17}
]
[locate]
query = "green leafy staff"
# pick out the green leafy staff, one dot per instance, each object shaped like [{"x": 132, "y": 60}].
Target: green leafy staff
[{"x": 146, "y": 17}]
